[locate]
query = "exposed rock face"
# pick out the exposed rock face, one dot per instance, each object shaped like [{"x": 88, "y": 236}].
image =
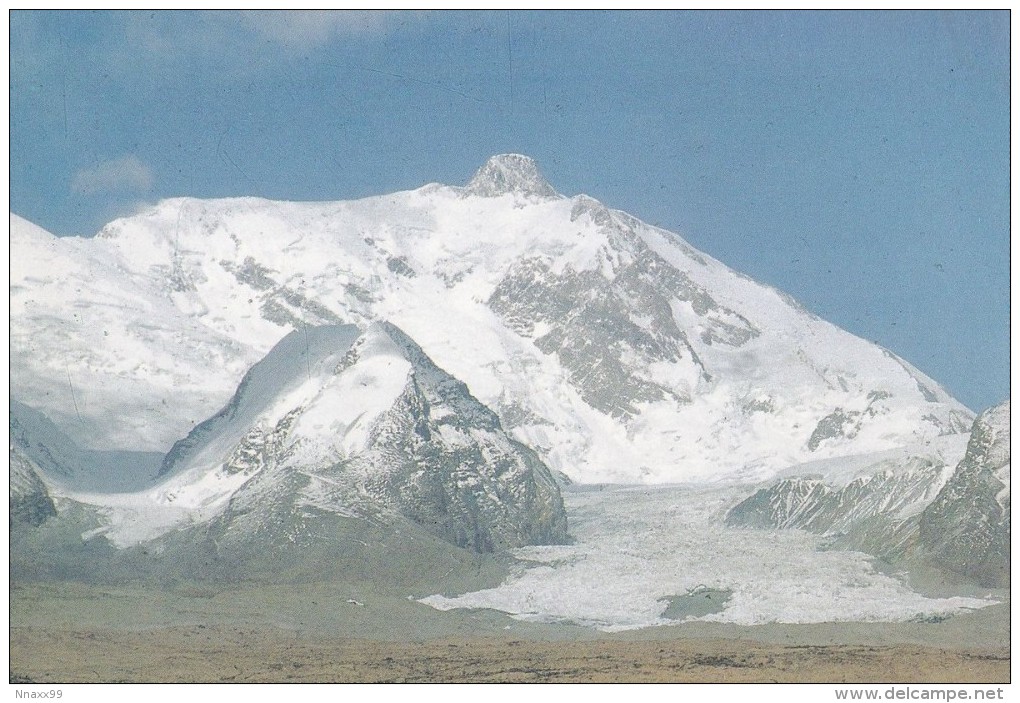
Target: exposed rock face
[
  {"x": 36, "y": 440},
  {"x": 876, "y": 513},
  {"x": 610, "y": 328},
  {"x": 510, "y": 173},
  {"x": 30, "y": 500},
  {"x": 368, "y": 428},
  {"x": 919, "y": 508},
  {"x": 454, "y": 469},
  {"x": 966, "y": 528}
]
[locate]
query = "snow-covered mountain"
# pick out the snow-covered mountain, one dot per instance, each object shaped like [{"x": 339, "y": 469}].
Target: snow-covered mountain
[
  {"x": 872, "y": 504},
  {"x": 612, "y": 348},
  {"x": 947, "y": 503},
  {"x": 335, "y": 422},
  {"x": 67, "y": 465}
]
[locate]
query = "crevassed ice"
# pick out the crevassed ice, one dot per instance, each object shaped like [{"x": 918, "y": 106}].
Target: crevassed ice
[{"x": 635, "y": 547}]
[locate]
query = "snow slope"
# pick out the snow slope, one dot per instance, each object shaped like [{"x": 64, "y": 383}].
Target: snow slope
[
  {"x": 614, "y": 349},
  {"x": 336, "y": 421}
]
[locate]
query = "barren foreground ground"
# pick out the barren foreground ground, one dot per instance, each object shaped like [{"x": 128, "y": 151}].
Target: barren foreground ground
[
  {"x": 217, "y": 654},
  {"x": 341, "y": 633}
]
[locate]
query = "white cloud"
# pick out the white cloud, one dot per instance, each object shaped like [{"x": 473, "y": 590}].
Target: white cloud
[
  {"x": 126, "y": 173},
  {"x": 313, "y": 28}
]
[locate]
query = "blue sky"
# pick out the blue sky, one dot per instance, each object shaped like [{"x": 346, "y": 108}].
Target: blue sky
[{"x": 858, "y": 161}]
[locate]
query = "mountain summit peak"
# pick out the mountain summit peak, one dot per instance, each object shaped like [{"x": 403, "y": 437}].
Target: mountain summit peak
[{"x": 510, "y": 173}]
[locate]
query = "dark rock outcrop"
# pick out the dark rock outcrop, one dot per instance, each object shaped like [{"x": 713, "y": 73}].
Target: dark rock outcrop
[{"x": 966, "y": 528}]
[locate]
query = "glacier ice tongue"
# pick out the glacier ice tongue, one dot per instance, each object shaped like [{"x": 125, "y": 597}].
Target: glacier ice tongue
[{"x": 635, "y": 548}]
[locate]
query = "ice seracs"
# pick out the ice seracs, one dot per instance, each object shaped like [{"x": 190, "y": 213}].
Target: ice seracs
[{"x": 638, "y": 548}]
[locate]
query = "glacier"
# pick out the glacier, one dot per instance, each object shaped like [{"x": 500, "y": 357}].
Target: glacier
[
  {"x": 639, "y": 546},
  {"x": 478, "y": 364}
]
